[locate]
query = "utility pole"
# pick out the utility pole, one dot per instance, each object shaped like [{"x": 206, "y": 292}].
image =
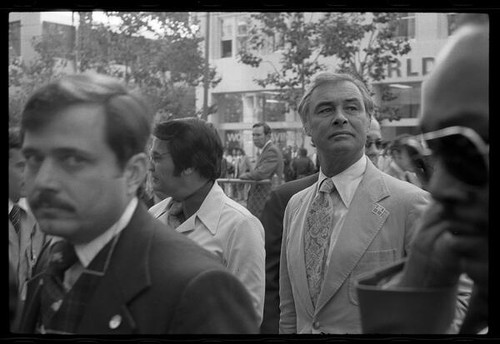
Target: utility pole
[{"x": 206, "y": 76}]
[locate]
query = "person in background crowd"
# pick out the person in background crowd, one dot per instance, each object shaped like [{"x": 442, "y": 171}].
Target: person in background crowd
[
  {"x": 407, "y": 163},
  {"x": 25, "y": 237},
  {"x": 242, "y": 165},
  {"x": 185, "y": 160},
  {"x": 302, "y": 165},
  {"x": 419, "y": 294},
  {"x": 354, "y": 219},
  {"x": 287, "y": 160},
  {"x": 111, "y": 268},
  {"x": 373, "y": 145},
  {"x": 269, "y": 164}
]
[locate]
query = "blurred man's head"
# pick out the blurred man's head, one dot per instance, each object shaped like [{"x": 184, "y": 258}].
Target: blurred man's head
[
  {"x": 456, "y": 95},
  {"x": 16, "y": 166},
  {"x": 261, "y": 133},
  {"x": 84, "y": 143},
  {"x": 373, "y": 145},
  {"x": 185, "y": 154}
]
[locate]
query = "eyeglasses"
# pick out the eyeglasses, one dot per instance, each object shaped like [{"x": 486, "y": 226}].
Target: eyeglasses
[
  {"x": 463, "y": 152},
  {"x": 377, "y": 143},
  {"x": 156, "y": 158}
]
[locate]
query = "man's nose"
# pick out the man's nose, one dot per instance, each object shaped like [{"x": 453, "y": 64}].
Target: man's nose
[
  {"x": 339, "y": 118},
  {"x": 445, "y": 188},
  {"x": 47, "y": 176}
]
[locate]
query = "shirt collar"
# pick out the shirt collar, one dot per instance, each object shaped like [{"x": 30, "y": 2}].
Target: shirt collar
[
  {"x": 344, "y": 180},
  {"x": 87, "y": 252},
  {"x": 22, "y": 203},
  {"x": 210, "y": 210},
  {"x": 267, "y": 144}
]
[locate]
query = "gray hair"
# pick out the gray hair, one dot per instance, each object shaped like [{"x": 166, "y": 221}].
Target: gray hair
[{"x": 329, "y": 77}]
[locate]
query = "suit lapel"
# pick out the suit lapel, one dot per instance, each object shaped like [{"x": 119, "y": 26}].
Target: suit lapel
[
  {"x": 298, "y": 261},
  {"x": 127, "y": 275},
  {"x": 364, "y": 220},
  {"x": 31, "y": 307}
]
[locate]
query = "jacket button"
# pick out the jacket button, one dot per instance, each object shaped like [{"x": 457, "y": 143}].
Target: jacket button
[
  {"x": 115, "y": 321},
  {"x": 316, "y": 325}
]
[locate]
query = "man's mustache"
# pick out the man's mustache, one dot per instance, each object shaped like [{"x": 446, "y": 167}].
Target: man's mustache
[{"x": 48, "y": 200}]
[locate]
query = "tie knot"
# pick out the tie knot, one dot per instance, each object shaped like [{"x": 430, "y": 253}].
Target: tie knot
[
  {"x": 327, "y": 186},
  {"x": 175, "y": 208},
  {"x": 62, "y": 256}
]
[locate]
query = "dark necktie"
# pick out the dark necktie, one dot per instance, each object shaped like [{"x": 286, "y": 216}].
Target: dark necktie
[
  {"x": 62, "y": 256},
  {"x": 319, "y": 227},
  {"x": 175, "y": 215},
  {"x": 15, "y": 217}
]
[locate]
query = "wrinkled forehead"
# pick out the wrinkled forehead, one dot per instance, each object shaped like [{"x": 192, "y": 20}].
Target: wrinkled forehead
[{"x": 457, "y": 92}]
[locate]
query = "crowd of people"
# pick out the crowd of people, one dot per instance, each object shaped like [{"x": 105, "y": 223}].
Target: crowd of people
[{"x": 361, "y": 238}]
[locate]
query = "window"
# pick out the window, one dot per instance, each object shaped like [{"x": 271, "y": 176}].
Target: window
[
  {"x": 230, "y": 107},
  {"x": 242, "y": 33},
  {"x": 273, "y": 108},
  {"x": 15, "y": 39},
  {"x": 227, "y": 37},
  {"x": 406, "y": 25},
  {"x": 405, "y": 97},
  {"x": 452, "y": 22}
]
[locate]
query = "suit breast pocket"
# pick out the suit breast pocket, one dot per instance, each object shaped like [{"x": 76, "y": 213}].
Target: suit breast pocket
[{"x": 371, "y": 260}]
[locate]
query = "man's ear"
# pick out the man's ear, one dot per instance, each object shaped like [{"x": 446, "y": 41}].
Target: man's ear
[
  {"x": 188, "y": 171},
  {"x": 135, "y": 172}
]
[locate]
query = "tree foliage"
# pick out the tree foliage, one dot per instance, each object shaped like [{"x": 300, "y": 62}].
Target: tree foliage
[
  {"x": 158, "y": 52},
  {"x": 363, "y": 45}
]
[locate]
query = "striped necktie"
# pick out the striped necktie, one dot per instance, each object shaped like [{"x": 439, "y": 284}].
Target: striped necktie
[{"x": 15, "y": 217}]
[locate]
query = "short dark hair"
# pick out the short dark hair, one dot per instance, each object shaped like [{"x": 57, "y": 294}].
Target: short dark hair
[
  {"x": 127, "y": 115},
  {"x": 192, "y": 143},
  {"x": 267, "y": 128},
  {"x": 329, "y": 77}
]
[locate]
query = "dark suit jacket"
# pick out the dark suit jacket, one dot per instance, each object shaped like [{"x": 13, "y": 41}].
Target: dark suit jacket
[
  {"x": 269, "y": 163},
  {"x": 158, "y": 282},
  {"x": 272, "y": 220}
]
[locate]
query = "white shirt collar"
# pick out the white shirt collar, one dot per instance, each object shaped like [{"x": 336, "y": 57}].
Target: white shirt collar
[
  {"x": 209, "y": 211},
  {"x": 87, "y": 252},
  {"x": 347, "y": 181},
  {"x": 23, "y": 203}
]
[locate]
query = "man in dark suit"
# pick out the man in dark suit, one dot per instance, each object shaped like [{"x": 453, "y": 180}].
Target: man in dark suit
[
  {"x": 272, "y": 220},
  {"x": 111, "y": 268},
  {"x": 269, "y": 164}
]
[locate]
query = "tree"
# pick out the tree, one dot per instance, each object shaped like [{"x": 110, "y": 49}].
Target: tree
[
  {"x": 363, "y": 45},
  {"x": 158, "y": 52}
]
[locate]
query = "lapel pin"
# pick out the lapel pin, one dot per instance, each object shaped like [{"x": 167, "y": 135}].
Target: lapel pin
[
  {"x": 115, "y": 321},
  {"x": 378, "y": 209}
]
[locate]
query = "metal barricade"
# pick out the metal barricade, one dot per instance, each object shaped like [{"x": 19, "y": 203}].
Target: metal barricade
[{"x": 239, "y": 189}]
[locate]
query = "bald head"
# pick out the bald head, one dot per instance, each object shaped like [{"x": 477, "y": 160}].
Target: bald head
[{"x": 456, "y": 92}]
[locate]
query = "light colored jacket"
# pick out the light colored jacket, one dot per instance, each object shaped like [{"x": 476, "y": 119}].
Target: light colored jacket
[{"x": 378, "y": 230}]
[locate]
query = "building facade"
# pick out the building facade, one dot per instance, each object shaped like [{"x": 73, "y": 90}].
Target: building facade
[{"x": 241, "y": 102}]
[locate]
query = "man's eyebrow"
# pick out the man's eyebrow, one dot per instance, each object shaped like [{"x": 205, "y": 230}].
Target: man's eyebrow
[{"x": 349, "y": 100}]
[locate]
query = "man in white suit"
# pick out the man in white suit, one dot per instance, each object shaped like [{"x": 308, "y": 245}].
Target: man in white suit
[{"x": 371, "y": 216}]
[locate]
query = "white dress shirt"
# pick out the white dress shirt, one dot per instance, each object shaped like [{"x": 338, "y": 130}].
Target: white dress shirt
[
  {"x": 346, "y": 183},
  {"x": 228, "y": 230}
]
